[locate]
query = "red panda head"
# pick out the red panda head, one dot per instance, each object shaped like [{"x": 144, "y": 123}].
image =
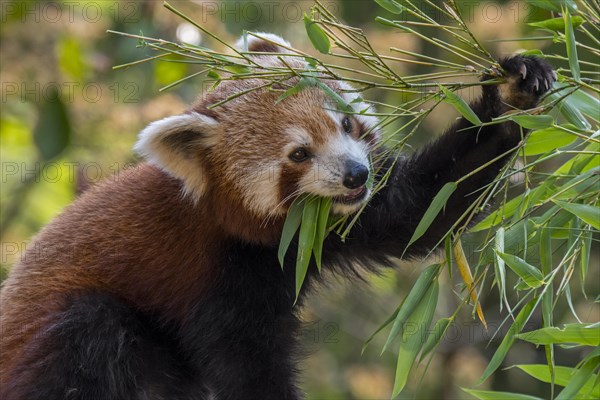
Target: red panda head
[{"x": 263, "y": 151}]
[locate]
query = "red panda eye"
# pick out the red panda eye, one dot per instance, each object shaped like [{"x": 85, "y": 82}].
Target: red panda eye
[
  {"x": 299, "y": 155},
  {"x": 347, "y": 125}
]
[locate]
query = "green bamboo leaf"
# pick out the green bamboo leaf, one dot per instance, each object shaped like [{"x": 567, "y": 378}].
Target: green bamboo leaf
[
  {"x": 556, "y": 24},
  {"x": 439, "y": 201},
  {"x": 579, "y": 379},
  {"x": 212, "y": 74},
  {"x": 586, "y": 180},
  {"x": 317, "y": 35},
  {"x": 518, "y": 237},
  {"x": 321, "y": 233},
  {"x": 583, "y": 334},
  {"x": 463, "y": 108},
  {"x": 588, "y": 214},
  {"x": 571, "y": 46},
  {"x": 494, "y": 395},
  {"x": 237, "y": 69},
  {"x": 586, "y": 247},
  {"x": 388, "y": 321},
  {"x": 290, "y": 227},
  {"x": 533, "y": 52},
  {"x": 394, "y": 24},
  {"x": 412, "y": 301},
  {"x": 245, "y": 40},
  {"x": 496, "y": 217},
  {"x": 570, "y": 111},
  {"x": 413, "y": 336},
  {"x": 533, "y": 121},
  {"x": 562, "y": 377},
  {"x": 340, "y": 102},
  {"x": 530, "y": 274},
  {"x": 512, "y": 206},
  {"x": 576, "y": 165},
  {"x": 547, "y": 297},
  {"x": 306, "y": 240},
  {"x": 586, "y": 103},
  {"x": 303, "y": 83},
  {"x": 508, "y": 340},
  {"x": 434, "y": 338},
  {"x": 545, "y": 140},
  {"x": 391, "y": 6}
]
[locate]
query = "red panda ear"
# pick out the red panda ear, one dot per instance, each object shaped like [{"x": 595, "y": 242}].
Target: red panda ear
[
  {"x": 263, "y": 43},
  {"x": 176, "y": 144}
]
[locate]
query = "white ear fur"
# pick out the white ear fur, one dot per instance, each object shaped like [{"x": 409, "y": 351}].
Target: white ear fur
[
  {"x": 174, "y": 145},
  {"x": 260, "y": 44}
]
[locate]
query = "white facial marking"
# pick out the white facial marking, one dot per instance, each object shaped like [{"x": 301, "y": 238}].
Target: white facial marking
[
  {"x": 297, "y": 137},
  {"x": 328, "y": 166},
  {"x": 258, "y": 184},
  {"x": 360, "y": 108},
  {"x": 260, "y": 37}
]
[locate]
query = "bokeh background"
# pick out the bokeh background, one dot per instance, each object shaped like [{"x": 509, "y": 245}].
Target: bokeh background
[{"x": 52, "y": 150}]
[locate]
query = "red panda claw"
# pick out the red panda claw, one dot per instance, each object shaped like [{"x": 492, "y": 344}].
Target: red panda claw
[{"x": 523, "y": 71}]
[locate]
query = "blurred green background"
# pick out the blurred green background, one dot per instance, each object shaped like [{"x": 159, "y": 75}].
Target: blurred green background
[{"x": 68, "y": 120}]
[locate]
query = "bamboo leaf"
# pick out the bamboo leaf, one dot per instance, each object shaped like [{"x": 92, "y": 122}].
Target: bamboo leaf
[
  {"x": 556, "y": 24},
  {"x": 547, "y": 298},
  {"x": 582, "y": 101},
  {"x": 579, "y": 379},
  {"x": 570, "y": 111},
  {"x": 532, "y": 121},
  {"x": 306, "y": 241},
  {"x": 434, "y": 338},
  {"x": 317, "y": 35},
  {"x": 321, "y": 232},
  {"x": 571, "y": 46},
  {"x": 291, "y": 225},
  {"x": 394, "y": 24},
  {"x": 303, "y": 83},
  {"x": 583, "y": 334},
  {"x": 412, "y": 301},
  {"x": 237, "y": 69},
  {"x": 340, "y": 102},
  {"x": 588, "y": 214},
  {"x": 388, "y": 321},
  {"x": 391, "y": 6},
  {"x": 212, "y": 74},
  {"x": 467, "y": 276},
  {"x": 533, "y": 52},
  {"x": 508, "y": 340},
  {"x": 506, "y": 211},
  {"x": 545, "y": 140},
  {"x": 531, "y": 276},
  {"x": 463, "y": 108},
  {"x": 586, "y": 247},
  {"x": 495, "y": 395},
  {"x": 439, "y": 201},
  {"x": 413, "y": 336},
  {"x": 563, "y": 376}
]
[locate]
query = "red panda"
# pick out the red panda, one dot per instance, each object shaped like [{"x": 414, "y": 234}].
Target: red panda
[{"x": 165, "y": 282}]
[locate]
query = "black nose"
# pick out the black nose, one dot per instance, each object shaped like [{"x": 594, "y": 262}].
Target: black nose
[{"x": 356, "y": 175}]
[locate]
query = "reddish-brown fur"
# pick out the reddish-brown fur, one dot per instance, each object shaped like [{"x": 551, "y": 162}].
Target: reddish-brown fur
[{"x": 110, "y": 226}]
